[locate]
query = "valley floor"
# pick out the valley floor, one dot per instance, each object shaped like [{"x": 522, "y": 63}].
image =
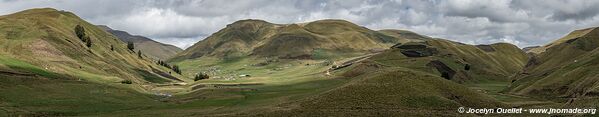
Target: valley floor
[{"x": 268, "y": 87}]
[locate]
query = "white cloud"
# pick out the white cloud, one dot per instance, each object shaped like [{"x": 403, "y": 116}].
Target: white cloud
[
  {"x": 162, "y": 23},
  {"x": 182, "y": 22}
]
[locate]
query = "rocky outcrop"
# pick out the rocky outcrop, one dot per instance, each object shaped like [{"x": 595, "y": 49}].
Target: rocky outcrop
[{"x": 445, "y": 71}]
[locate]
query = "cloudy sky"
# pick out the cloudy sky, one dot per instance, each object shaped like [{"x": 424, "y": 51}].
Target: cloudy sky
[{"x": 184, "y": 22}]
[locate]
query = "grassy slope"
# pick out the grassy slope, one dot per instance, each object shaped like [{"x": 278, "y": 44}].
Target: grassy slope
[
  {"x": 498, "y": 65},
  {"x": 390, "y": 82},
  {"x": 61, "y": 96},
  {"x": 398, "y": 66},
  {"x": 45, "y": 38},
  {"x": 384, "y": 91},
  {"x": 35, "y": 96}
]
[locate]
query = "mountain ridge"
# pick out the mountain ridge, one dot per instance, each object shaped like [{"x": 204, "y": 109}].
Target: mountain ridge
[
  {"x": 150, "y": 47},
  {"x": 289, "y": 41},
  {"x": 565, "y": 69}
]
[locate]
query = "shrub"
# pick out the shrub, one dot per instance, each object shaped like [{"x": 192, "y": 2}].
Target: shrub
[
  {"x": 201, "y": 76},
  {"x": 445, "y": 75},
  {"x": 139, "y": 54},
  {"x": 162, "y": 63},
  {"x": 80, "y": 31},
  {"x": 130, "y": 46},
  {"x": 126, "y": 82}
]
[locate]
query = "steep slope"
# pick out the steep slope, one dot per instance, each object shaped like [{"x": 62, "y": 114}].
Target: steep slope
[
  {"x": 147, "y": 46},
  {"x": 44, "y": 41},
  {"x": 566, "y": 68},
  {"x": 289, "y": 41}
]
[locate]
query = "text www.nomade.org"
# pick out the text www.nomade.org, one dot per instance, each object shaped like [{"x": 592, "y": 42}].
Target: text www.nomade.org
[{"x": 532, "y": 111}]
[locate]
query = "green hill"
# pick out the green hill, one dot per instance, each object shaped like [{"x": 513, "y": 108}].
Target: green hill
[
  {"x": 289, "y": 41},
  {"x": 44, "y": 42},
  {"x": 529, "y": 48},
  {"x": 256, "y": 68},
  {"x": 151, "y": 48}
]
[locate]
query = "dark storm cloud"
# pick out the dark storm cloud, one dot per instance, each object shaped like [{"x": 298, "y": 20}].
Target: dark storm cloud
[{"x": 183, "y": 22}]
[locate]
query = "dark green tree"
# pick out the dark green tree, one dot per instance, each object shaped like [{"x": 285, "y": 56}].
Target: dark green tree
[
  {"x": 130, "y": 46},
  {"x": 80, "y": 31},
  {"x": 201, "y": 76},
  {"x": 88, "y": 42}
]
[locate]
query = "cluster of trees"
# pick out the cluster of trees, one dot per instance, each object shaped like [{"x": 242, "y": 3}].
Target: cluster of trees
[
  {"x": 80, "y": 32},
  {"x": 176, "y": 69},
  {"x": 173, "y": 67},
  {"x": 201, "y": 76}
]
